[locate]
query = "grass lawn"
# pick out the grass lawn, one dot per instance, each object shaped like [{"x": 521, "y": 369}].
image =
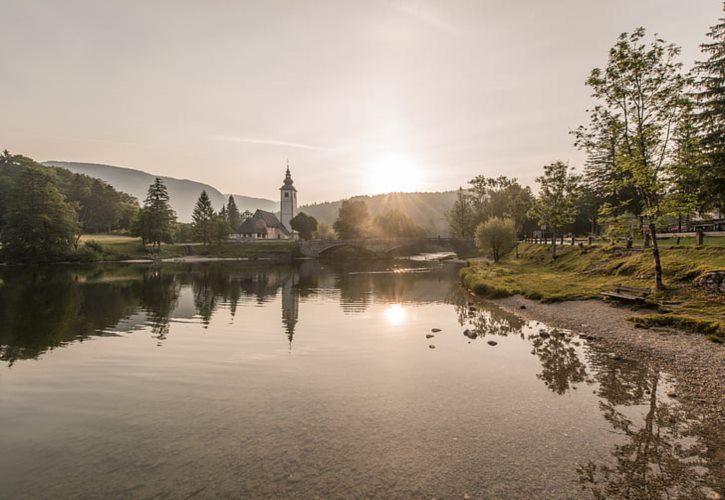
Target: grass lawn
[
  {"x": 116, "y": 247},
  {"x": 581, "y": 275}
]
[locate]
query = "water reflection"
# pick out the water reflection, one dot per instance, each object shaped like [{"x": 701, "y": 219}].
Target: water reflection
[{"x": 654, "y": 447}]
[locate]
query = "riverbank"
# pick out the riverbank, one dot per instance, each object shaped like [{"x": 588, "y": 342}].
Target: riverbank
[
  {"x": 697, "y": 365},
  {"x": 583, "y": 273},
  {"x": 112, "y": 248}
]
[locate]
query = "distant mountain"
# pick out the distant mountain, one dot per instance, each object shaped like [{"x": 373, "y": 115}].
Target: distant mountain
[
  {"x": 425, "y": 209},
  {"x": 182, "y": 193}
]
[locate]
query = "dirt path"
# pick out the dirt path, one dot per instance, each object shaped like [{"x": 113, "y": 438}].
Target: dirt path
[{"x": 697, "y": 364}]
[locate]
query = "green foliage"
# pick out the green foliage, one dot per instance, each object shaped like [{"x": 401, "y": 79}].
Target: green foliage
[
  {"x": 395, "y": 224},
  {"x": 39, "y": 225},
  {"x": 461, "y": 216},
  {"x": 555, "y": 205},
  {"x": 352, "y": 220},
  {"x": 497, "y": 236},
  {"x": 220, "y": 227},
  {"x": 233, "y": 215},
  {"x": 304, "y": 225},
  {"x": 324, "y": 232},
  {"x": 489, "y": 197},
  {"x": 711, "y": 117},
  {"x": 202, "y": 219},
  {"x": 641, "y": 100},
  {"x": 156, "y": 221}
]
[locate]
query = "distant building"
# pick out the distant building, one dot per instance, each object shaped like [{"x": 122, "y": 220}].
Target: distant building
[{"x": 265, "y": 225}]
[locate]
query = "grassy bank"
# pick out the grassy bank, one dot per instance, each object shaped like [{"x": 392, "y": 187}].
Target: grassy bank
[
  {"x": 112, "y": 247},
  {"x": 584, "y": 274}
]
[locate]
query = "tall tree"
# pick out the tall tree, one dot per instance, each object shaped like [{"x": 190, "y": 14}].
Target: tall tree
[
  {"x": 304, "y": 224},
  {"x": 39, "y": 225},
  {"x": 155, "y": 222},
  {"x": 461, "y": 217},
  {"x": 640, "y": 93},
  {"x": 555, "y": 205},
  {"x": 352, "y": 220},
  {"x": 202, "y": 219},
  {"x": 711, "y": 119},
  {"x": 233, "y": 215}
]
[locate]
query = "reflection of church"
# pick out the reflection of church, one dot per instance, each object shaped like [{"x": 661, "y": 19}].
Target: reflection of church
[
  {"x": 290, "y": 305},
  {"x": 265, "y": 225}
]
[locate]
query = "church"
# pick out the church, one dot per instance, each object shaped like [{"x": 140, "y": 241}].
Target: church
[{"x": 265, "y": 225}]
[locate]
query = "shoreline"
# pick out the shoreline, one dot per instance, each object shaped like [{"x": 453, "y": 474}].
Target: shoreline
[{"x": 697, "y": 365}]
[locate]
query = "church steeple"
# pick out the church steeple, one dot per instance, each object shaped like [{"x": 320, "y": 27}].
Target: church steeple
[{"x": 287, "y": 199}]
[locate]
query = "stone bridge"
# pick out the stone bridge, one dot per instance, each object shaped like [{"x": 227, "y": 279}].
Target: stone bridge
[{"x": 383, "y": 247}]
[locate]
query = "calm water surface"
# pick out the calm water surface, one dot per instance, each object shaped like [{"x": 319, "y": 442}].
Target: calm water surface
[{"x": 242, "y": 380}]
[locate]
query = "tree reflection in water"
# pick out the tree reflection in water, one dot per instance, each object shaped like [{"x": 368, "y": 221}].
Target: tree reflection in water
[{"x": 660, "y": 452}]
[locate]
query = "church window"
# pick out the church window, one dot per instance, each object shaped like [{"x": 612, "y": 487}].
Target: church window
[{"x": 286, "y": 195}]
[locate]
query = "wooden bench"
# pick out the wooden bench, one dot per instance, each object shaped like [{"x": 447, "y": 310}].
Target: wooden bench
[{"x": 628, "y": 293}]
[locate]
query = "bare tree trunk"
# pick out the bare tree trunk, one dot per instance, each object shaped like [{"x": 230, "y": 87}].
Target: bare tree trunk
[{"x": 656, "y": 255}]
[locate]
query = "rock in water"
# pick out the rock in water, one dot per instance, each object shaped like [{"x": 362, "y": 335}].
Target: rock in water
[
  {"x": 429, "y": 335},
  {"x": 435, "y": 330},
  {"x": 492, "y": 342},
  {"x": 431, "y": 346}
]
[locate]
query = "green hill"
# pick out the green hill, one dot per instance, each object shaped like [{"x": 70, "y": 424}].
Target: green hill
[{"x": 183, "y": 193}]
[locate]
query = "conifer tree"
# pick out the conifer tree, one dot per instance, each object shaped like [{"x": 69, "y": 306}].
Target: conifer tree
[
  {"x": 155, "y": 223},
  {"x": 711, "y": 117},
  {"x": 202, "y": 219},
  {"x": 233, "y": 215}
]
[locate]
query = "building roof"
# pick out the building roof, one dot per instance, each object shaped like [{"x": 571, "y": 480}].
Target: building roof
[{"x": 260, "y": 222}]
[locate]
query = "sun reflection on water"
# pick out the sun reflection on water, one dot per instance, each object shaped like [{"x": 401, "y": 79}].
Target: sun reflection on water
[{"x": 395, "y": 314}]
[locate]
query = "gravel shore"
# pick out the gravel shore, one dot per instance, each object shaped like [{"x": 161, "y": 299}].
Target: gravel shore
[{"x": 697, "y": 364}]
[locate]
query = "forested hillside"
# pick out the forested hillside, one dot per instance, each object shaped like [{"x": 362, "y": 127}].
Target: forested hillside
[
  {"x": 183, "y": 193},
  {"x": 424, "y": 209}
]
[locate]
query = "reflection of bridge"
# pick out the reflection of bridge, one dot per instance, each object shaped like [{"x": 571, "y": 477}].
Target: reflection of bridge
[{"x": 381, "y": 248}]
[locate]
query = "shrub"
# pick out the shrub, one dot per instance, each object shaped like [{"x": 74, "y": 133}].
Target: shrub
[{"x": 497, "y": 235}]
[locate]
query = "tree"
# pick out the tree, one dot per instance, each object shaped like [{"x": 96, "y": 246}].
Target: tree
[
  {"x": 219, "y": 226},
  {"x": 233, "y": 215},
  {"x": 324, "y": 232},
  {"x": 39, "y": 225},
  {"x": 711, "y": 117},
  {"x": 395, "y": 224},
  {"x": 461, "y": 217},
  {"x": 488, "y": 197},
  {"x": 304, "y": 224},
  {"x": 497, "y": 235},
  {"x": 202, "y": 218},
  {"x": 640, "y": 94},
  {"x": 555, "y": 207},
  {"x": 156, "y": 220},
  {"x": 352, "y": 220}
]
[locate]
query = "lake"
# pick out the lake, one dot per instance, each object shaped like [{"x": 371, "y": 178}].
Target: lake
[{"x": 318, "y": 380}]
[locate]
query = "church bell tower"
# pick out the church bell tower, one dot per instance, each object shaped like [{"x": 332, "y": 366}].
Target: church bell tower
[{"x": 287, "y": 200}]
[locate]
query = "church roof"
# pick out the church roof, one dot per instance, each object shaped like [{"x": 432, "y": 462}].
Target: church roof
[{"x": 260, "y": 222}]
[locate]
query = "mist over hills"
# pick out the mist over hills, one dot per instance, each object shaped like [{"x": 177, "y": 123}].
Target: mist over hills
[
  {"x": 425, "y": 209},
  {"x": 183, "y": 193}
]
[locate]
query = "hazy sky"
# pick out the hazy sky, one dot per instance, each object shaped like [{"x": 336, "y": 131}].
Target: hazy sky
[{"x": 429, "y": 92}]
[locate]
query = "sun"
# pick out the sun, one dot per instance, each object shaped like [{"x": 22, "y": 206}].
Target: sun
[{"x": 393, "y": 173}]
